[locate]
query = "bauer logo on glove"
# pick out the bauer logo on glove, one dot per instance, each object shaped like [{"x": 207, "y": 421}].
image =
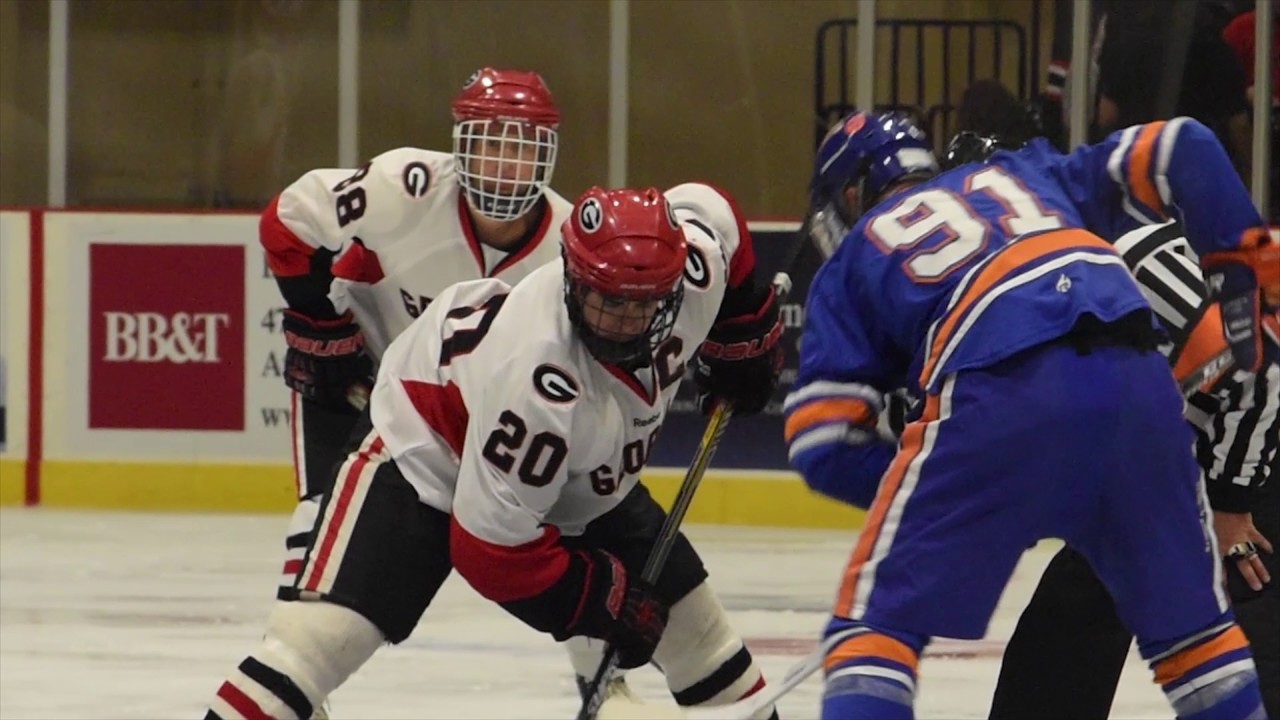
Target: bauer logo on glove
[
  {"x": 742, "y": 357},
  {"x": 744, "y": 350},
  {"x": 326, "y": 362}
]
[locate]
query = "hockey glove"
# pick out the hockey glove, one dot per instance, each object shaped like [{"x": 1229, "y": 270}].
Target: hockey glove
[
  {"x": 326, "y": 362},
  {"x": 742, "y": 357},
  {"x": 898, "y": 409},
  {"x": 1246, "y": 284},
  {"x": 621, "y": 610}
]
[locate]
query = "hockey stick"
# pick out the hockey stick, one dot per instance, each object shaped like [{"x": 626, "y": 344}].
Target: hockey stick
[
  {"x": 662, "y": 546},
  {"x": 1203, "y": 378},
  {"x": 720, "y": 416},
  {"x": 1207, "y": 374}
]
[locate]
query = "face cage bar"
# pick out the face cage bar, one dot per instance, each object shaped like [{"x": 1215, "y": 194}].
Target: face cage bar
[
  {"x": 636, "y": 351},
  {"x": 516, "y": 182}
]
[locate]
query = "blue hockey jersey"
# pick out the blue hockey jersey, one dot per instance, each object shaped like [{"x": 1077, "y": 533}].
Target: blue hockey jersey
[{"x": 984, "y": 261}]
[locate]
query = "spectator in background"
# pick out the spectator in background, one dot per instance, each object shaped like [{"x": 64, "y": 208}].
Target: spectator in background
[
  {"x": 1129, "y": 43},
  {"x": 1132, "y": 62},
  {"x": 1239, "y": 36},
  {"x": 1055, "y": 100},
  {"x": 989, "y": 108}
]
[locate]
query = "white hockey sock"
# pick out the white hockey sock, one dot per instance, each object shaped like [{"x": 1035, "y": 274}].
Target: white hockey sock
[
  {"x": 585, "y": 654},
  {"x": 310, "y": 648},
  {"x": 704, "y": 660}
]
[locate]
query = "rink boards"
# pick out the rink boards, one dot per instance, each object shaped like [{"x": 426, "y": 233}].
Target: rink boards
[{"x": 140, "y": 359}]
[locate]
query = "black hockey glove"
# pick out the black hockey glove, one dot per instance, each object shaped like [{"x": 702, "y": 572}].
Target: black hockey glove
[
  {"x": 1246, "y": 284},
  {"x": 899, "y": 407},
  {"x": 742, "y": 357},
  {"x": 619, "y": 609},
  {"x": 326, "y": 362}
]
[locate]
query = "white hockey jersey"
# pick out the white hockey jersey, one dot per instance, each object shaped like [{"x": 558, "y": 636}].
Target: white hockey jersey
[
  {"x": 494, "y": 410},
  {"x": 400, "y": 234}
]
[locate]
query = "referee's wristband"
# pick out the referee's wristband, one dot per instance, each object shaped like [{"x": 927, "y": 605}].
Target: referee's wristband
[{"x": 1226, "y": 496}]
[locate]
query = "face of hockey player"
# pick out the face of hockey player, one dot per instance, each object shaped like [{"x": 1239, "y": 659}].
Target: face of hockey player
[
  {"x": 503, "y": 165},
  {"x": 504, "y": 141},
  {"x": 502, "y": 159},
  {"x": 618, "y": 319},
  {"x": 619, "y": 330}
]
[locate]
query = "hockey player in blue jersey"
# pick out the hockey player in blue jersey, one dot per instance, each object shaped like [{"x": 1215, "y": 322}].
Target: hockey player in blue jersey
[{"x": 1047, "y": 411}]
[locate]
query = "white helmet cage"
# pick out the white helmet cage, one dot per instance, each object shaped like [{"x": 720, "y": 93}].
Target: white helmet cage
[{"x": 504, "y": 164}]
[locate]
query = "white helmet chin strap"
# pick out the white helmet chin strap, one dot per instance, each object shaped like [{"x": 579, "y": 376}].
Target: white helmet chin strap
[{"x": 504, "y": 165}]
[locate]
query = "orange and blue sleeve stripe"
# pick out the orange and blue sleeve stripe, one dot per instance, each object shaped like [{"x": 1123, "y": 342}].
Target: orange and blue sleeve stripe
[
  {"x": 1167, "y": 169},
  {"x": 1140, "y": 166},
  {"x": 826, "y": 412}
]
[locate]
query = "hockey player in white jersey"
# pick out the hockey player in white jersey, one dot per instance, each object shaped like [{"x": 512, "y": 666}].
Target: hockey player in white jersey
[
  {"x": 506, "y": 434},
  {"x": 359, "y": 254}
]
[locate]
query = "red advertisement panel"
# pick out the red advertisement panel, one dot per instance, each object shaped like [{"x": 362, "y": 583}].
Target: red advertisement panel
[{"x": 166, "y": 337}]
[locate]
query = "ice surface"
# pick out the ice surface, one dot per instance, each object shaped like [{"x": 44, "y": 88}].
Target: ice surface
[{"x": 115, "y": 615}]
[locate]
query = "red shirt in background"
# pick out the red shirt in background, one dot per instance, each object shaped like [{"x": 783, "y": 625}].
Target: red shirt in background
[{"x": 1240, "y": 34}]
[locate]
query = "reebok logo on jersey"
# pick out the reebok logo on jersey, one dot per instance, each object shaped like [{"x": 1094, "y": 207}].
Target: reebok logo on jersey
[
  {"x": 644, "y": 422},
  {"x": 416, "y": 178},
  {"x": 555, "y": 384}
]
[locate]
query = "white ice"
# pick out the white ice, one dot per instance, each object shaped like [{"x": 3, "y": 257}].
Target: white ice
[{"x": 115, "y": 615}]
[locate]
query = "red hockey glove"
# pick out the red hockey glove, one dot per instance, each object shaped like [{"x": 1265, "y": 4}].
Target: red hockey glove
[
  {"x": 326, "y": 362},
  {"x": 1246, "y": 284},
  {"x": 742, "y": 357}
]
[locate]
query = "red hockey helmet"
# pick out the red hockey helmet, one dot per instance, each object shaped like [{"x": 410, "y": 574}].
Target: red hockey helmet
[
  {"x": 504, "y": 141},
  {"x": 624, "y": 255}
]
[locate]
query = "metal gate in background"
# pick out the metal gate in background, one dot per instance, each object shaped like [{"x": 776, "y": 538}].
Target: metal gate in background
[{"x": 931, "y": 62}]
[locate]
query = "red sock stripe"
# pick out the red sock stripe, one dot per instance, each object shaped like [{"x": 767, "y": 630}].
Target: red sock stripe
[
  {"x": 241, "y": 703},
  {"x": 754, "y": 688}
]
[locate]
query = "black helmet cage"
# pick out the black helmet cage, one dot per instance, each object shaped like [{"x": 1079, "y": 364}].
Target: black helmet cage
[{"x": 634, "y": 352}]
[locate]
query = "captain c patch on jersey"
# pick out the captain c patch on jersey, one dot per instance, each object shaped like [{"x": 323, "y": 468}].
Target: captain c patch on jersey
[{"x": 555, "y": 384}]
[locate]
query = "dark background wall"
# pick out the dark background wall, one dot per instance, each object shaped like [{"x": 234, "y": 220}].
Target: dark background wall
[{"x": 221, "y": 102}]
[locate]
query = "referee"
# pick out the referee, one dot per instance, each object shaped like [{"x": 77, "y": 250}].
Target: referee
[{"x": 1066, "y": 654}]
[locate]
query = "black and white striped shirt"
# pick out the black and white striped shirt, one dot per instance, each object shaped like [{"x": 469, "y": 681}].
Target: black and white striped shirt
[{"x": 1238, "y": 421}]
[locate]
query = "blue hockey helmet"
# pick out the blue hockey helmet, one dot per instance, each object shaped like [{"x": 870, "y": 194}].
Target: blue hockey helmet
[{"x": 870, "y": 152}]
